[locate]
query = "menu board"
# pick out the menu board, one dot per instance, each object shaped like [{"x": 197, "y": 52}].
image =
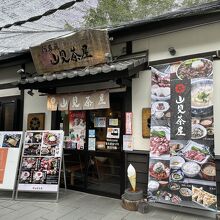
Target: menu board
[
  {"x": 10, "y": 148},
  {"x": 41, "y": 161},
  {"x": 182, "y": 168}
]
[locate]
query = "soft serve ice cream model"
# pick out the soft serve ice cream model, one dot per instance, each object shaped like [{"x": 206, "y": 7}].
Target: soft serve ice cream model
[{"x": 132, "y": 176}]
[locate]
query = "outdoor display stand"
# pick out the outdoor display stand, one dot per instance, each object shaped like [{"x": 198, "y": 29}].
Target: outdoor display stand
[
  {"x": 41, "y": 161},
  {"x": 182, "y": 169},
  {"x": 10, "y": 150}
]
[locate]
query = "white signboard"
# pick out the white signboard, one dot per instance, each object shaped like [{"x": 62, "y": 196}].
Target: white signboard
[
  {"x": 41, "y": 161},
  {"x": 10, "y": 148}
]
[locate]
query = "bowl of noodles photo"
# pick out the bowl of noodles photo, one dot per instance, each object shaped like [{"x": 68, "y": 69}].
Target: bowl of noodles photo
[{"x": 202, "y": 94}]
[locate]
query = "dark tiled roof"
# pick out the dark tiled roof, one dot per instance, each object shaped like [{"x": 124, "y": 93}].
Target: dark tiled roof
[
  {"x": 105, "y": 68},
  {"x": 204, "y": 9}
]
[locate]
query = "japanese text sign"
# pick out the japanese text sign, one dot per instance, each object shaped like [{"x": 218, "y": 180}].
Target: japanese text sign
[
  {"x": 82, "y": 49},
  {"x": 79, "y": 101}
]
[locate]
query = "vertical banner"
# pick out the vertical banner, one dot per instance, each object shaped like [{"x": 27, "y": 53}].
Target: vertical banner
[{"x": 182, "y": 167}]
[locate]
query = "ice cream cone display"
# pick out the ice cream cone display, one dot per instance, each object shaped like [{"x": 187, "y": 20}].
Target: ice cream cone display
[
  {"x": 132, "y": 180},
  {"x": 132, "y": 196},
  {"x": 132, "y": 176}
]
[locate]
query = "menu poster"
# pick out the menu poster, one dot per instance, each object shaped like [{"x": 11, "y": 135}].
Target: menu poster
[
  {"x": 113, "y": 133},
  {"x": 10, "y": 148},
  {"x": 100, "y": 122},
  {"x": 128, "y": 143},
  {"x": 91, "y": 143},
  {"x": 113, "y": 122},
  {"x": 91, "y": 133},
  {"x": 41, "y": 161},
  {"x": 182, "y": 165},
  {"x": 77, "y": 128}
]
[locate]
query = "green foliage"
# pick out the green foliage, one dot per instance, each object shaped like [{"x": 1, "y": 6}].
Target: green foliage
[
  {"x": 112, "y": 12},
  {"x": 146, "y": 8}
]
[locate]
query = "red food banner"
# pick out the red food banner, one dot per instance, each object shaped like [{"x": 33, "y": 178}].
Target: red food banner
[{"x": 182, "y": 166}]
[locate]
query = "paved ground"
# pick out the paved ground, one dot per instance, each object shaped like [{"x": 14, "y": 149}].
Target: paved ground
[{"x": 81, "y": 206}]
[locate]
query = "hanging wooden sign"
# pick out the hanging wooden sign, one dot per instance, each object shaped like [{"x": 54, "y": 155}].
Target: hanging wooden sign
[{"x": 82, "y": 49}]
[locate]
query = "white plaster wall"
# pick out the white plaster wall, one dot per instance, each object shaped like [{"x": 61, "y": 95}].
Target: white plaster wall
[
  {"x": 217, "y": 106},
  {"x": 9, "y": 92},
  {"x": 140, "y": 99},
  {"x": 186, "y": 42},
  {"x": 36, "y": 104}
]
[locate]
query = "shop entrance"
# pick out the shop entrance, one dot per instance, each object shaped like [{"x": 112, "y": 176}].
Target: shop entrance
[{"x": 99, "y": 166}]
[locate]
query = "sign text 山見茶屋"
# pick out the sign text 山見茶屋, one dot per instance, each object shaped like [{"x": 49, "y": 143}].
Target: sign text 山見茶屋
[
  {"x": 79, "y": 101},
  {"x": 82, "y": 49}
]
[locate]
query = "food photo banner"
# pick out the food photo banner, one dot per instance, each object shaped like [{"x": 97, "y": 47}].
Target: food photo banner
[
  {"x": 182, "y": 165},
  {"x": 79, "y": 101},
  {"x": 41, "y": 161}
]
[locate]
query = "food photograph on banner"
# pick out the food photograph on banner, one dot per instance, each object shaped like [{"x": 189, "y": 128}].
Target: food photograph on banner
[
  {"x": 41, "y": 161},
  {"x": 10, "y": 149},
  {"x": 182, "y": 164}
]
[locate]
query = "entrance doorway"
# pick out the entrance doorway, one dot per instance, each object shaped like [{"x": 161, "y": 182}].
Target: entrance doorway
[{"x": 101, "y": 170}]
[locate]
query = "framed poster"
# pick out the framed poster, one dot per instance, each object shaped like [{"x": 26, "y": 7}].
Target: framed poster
[
  {"x": 36, "y": 121},
  {"x": 10, "y": 149},
  {"x": 100, "y": 122},
  {"x": 41, "y": 161},
  {"x": 113, "y": 133}
]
